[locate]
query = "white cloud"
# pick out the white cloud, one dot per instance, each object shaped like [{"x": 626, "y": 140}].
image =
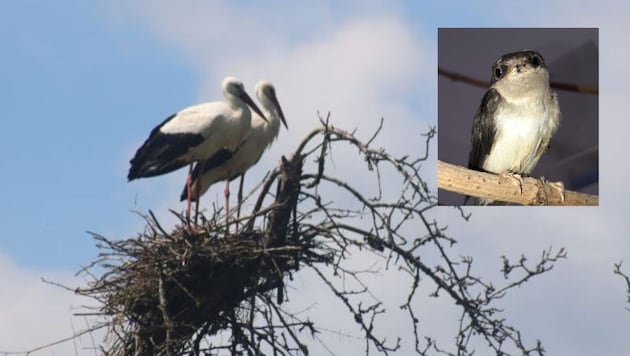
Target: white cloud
[{"x": 35, "y": 314}]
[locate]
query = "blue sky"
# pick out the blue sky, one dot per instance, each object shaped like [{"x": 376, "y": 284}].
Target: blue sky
[
  {"x": 83, "y": 83},
  {"x": 76, "y": 92}
]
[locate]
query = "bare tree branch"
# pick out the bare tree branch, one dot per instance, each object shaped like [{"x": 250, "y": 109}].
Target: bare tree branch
[{"x": 202, "y": 291}]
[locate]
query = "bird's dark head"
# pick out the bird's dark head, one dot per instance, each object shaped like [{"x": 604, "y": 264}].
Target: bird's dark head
[
  {"x": 520, "y": 75},
  {"x": 514, "y": 64}
]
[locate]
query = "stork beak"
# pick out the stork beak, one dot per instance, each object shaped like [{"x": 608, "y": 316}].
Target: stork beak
[
  {"x": 275, "y": 102},
  {"x": 252, "y": 105}
]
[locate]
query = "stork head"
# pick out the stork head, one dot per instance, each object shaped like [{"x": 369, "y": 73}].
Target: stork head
[
  {"x": 266, "y": 94},
  {"x": 234, "y": 89}
]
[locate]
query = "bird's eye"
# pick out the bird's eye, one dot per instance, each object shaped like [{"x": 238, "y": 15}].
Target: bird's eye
[
  {"x": 535, "y": 60},
  {"x": 498, "y": 72}
]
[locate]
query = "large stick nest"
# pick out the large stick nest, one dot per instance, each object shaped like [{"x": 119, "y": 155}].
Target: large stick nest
[
  {"x": 173, "y": 285},
  {"x": 167, "y": 287}
]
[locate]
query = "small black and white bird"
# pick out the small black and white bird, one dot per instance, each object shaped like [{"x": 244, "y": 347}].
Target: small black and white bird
[
  {"x": 196, "y": 133},
  {"x": 228, "y": 164},
  {"x": 517, "y": 117}
]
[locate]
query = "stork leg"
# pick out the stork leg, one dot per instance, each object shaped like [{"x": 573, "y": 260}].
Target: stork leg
[
  {"x": 240, "y": 196},
  {"x": 188, "y": 193},
  {"x": 196, "y": 209},
  {"x": 227, "y": 204},
  {"x": 198, "y": 195}
]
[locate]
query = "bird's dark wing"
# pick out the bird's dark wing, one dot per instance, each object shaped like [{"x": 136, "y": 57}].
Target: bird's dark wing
[
  {"x": 483, "y": 130},
  {"x": 217, "y": 159},
  {"x": 159, "y": 153}
]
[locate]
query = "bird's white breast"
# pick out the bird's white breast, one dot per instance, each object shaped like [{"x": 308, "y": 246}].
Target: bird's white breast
[
  {"x": 520, "y": 130},
  {"x": 259, "y": 139}
]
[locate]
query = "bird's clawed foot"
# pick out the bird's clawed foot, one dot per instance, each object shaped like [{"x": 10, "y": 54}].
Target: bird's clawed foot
[
  {"x": 558, "y": 186},
  {"x": 515, "y": 178}
]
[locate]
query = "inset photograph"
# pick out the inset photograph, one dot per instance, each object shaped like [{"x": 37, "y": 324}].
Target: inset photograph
[{"x": 518, "y": 116}]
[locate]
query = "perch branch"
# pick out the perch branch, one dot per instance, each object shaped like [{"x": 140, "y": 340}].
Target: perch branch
[{"x": 493, "y": 186}]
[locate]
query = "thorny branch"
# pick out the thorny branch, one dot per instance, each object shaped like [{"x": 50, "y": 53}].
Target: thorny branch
[{"x": 207, "y": 292}]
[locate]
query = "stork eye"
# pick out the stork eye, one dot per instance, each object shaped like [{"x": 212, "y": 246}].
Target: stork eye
[{"x": 498, "y": 72}]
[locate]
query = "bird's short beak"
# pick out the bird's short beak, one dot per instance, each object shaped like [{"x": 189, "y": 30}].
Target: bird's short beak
[{"x": 253, "y": 105}]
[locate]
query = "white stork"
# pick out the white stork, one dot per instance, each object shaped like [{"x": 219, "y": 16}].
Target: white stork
[
  {"x": 228, "y": 164},
  {"x": 195, "y": 134}
]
